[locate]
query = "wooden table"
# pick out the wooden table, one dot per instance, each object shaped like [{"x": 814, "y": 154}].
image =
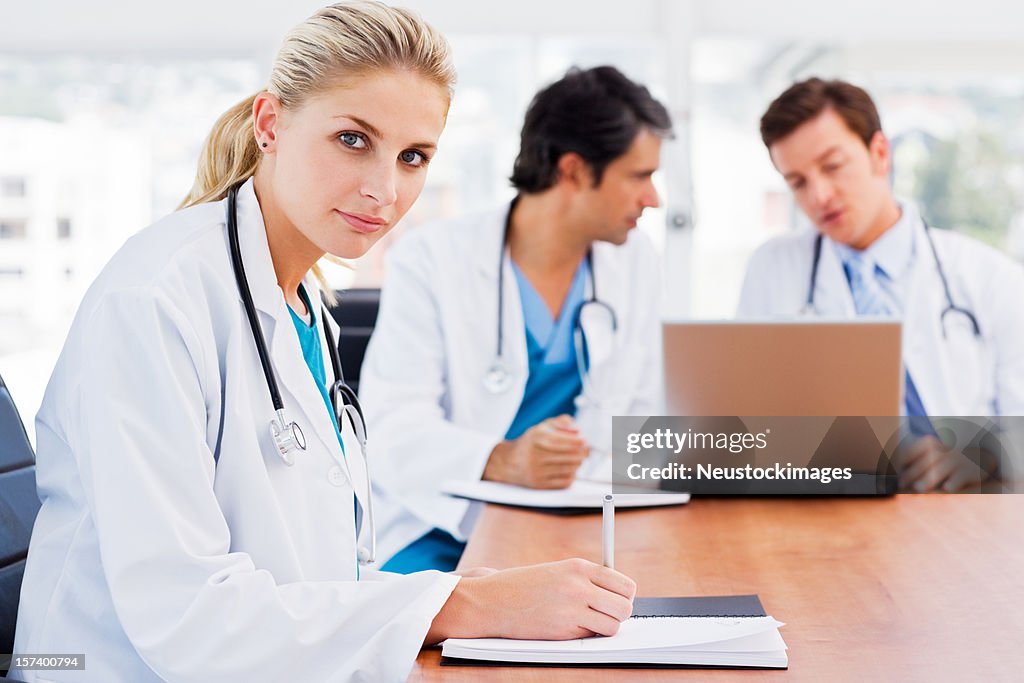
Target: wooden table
[{"x": 921, "y": 588}]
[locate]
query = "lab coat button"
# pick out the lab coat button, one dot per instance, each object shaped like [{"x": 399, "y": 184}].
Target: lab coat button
[{"x": 336, "y": 476}]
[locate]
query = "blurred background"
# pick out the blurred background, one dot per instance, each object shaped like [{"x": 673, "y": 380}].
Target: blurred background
[{"x": 104, "y": 107}]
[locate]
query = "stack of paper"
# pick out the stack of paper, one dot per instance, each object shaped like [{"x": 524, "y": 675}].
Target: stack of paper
[
  {"x": 713, "y": 641},
  {"x": 678, "y": 641}
]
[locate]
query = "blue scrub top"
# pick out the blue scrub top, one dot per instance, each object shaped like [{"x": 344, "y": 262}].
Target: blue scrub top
[
  {"x": 551, "y": 390},
  {"x": 554, "y": 380},
  {"x": 309, "y": 340}
]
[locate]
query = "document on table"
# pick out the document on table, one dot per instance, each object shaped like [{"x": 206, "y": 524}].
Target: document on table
[
  {"x": 669, "y": 641},
  {"x": 581, "y": 495}
]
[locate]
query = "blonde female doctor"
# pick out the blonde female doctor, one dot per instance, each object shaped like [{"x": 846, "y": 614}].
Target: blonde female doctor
[{"x": 182, "y": 535}]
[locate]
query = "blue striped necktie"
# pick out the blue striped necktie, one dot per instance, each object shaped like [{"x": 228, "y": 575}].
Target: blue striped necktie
[{"x": 870, "y": 299}]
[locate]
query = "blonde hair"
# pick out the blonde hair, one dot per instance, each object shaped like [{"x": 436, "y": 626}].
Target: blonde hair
[{"x": 339, "y": 41}]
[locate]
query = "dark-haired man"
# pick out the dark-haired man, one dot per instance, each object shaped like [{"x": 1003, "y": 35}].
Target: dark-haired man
[
  {"x": 963, "y": 328},
  {"x": 507, "y": 341}
]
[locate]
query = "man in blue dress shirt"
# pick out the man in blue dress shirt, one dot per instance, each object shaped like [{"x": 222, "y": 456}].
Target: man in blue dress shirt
[{"x": 873, "y": 254}]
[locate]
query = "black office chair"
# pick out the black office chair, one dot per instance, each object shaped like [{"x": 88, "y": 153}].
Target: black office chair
[
  {"x": 19, "y": 504},
  {"x": 356, "y": 314}
]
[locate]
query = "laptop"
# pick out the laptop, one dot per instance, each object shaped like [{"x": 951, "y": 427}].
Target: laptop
[{"x": 797, "y": 372}]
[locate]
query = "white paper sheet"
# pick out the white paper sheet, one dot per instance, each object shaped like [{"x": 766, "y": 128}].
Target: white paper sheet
[
  {"x": 581, "y": 494},
  {"x": 709, "y": 641}
]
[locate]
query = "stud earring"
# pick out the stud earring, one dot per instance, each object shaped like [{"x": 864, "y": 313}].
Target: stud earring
[{"x": 263, "y": 144}]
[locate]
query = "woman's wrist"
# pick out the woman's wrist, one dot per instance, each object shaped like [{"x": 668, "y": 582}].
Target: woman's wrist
[{"x": 461, "y": 614}]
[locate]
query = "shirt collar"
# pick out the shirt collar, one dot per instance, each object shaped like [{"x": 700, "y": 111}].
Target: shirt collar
[
  {"x": 893, "y": 252},
  {"x": 539, "y": 322}
]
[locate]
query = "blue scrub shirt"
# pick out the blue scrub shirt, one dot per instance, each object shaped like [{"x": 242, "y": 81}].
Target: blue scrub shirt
[
  {"x": 309, "y": 340},
  {"x": 554, "y": 381}
]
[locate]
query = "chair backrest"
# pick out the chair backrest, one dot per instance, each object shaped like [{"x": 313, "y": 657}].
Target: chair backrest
[
  {"x": 356, "y": 314},
  {"x": 19, "y": 504}
]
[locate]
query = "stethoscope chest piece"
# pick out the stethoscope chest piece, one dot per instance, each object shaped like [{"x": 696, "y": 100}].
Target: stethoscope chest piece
[
  {"x": 497, "y": 379},
  {"x": 288, "y": 438}
]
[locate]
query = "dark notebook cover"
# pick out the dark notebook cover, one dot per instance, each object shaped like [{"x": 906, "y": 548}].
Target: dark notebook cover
[{"x": 712, "y": 606}]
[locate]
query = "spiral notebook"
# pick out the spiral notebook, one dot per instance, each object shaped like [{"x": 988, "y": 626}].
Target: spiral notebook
[{"x": 718, "y": 632}]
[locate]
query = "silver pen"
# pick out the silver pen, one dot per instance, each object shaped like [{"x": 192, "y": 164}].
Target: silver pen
[{"x": 608, "y": 531}]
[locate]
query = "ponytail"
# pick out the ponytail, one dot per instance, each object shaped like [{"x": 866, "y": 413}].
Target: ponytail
[{"x": 229, "y": 156}]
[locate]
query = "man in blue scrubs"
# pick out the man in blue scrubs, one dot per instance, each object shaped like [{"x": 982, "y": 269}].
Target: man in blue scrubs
[{"x": 507, "y": 341}]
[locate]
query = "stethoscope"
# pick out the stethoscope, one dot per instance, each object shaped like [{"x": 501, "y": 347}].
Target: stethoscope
[
  {"x": 951, "y": 307},
  {"x": 498, "y": 377},
  {"x": 288, "y": 436}
]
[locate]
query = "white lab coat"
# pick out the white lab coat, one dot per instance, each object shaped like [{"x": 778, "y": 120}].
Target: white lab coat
[
  {"x": 153, "y": 561},
  {"x": 436, "y": 336},
  {"x": 955, "y": 376}
]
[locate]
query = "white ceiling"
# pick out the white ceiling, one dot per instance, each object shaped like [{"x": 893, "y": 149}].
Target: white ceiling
[{"x": 247, "y": 27}]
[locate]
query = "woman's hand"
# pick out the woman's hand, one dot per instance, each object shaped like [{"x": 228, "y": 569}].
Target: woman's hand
[{"x": 554, "y": 601}]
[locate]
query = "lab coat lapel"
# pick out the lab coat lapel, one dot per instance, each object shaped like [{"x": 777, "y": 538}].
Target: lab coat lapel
[
  {"x": 923, "y": 347},
  {"x": 488, "y": 245},
  {"x": 607, "y": 278},
  {"x": 610, "y": 349},
  {"x": 354, "y": 462},
  {"x": 302, "y": 400},
  {"x": 832, "y": 295}
]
